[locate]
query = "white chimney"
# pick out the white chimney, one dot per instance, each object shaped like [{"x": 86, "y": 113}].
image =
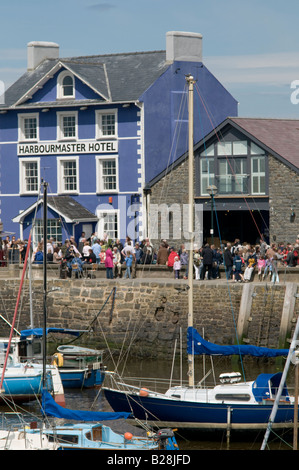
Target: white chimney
[
  {"x": 183, "y": 46},
  {"x": 38, "y": 51}
]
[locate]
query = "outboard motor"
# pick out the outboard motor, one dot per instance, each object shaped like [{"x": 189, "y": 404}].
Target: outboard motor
[{"x": 166, "y": 439}]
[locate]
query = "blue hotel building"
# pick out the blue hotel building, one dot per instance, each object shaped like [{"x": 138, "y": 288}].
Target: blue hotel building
[{"x": 98, "y": 129}]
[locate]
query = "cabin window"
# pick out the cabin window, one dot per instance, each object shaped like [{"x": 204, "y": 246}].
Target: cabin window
[
  {"x": 232, "y": 396},
  {"x": 63, "y": 438}
]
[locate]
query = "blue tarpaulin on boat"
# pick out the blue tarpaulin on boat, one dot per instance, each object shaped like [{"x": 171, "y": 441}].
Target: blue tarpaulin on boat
[
  {"x": 38, "y": 332},
  {"x": 266, "y": 386},
  {"x": 51, "y": 408},
  {"x": 197, "y": 345}
]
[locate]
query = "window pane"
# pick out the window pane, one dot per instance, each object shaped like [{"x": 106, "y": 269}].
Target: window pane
[
  {"x": 240, "y": 147},
  {"x": 30, "y": 128},
  {"x": 108, "y": 124},
  {"x": 255, "y": 150},
  {"x": 209, "y": 152},
  {"x": 31, "y": 176},
  {"x": 109, "y": 175},
  {"x": 69, "y": 126},
  {"x": 224, "y": 148},
  {"x": 110, "y": 224},
  {"x": 67, "y": 86},
  {"x": 207, "y": 176},
  {"x": 70, "y": 176}
]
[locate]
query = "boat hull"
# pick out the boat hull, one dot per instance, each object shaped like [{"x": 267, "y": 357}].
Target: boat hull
[
  {"x": 81, "y": 378},
  {"x": 196, "y": 414},
  {"x": 23, "y": 388}
]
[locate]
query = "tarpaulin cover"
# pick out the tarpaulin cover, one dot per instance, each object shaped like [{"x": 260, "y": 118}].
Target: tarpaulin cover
[
  {"x": 197, "y": 345},
  {"x": 266, "y": 386},
  {"x": 38, "y": 332},
  {"x": 51, "y": 408}
]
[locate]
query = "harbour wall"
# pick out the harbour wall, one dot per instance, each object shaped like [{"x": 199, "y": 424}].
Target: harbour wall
[{"x": 146, "y": 316}]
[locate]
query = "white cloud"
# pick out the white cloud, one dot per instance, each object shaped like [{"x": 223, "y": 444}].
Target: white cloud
[{"x": 272, "y": 69}]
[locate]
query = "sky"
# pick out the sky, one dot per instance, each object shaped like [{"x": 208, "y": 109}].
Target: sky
[{"x": 252, "y": 47}]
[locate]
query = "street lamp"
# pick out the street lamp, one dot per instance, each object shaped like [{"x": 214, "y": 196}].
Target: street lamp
[{"x": 212, "y": 191}]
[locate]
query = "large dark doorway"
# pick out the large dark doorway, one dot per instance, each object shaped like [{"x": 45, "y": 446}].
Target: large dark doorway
[{"x": 244, "y": 225}]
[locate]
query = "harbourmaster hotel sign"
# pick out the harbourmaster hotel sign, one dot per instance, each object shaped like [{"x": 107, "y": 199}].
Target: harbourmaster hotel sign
[{"x": 67, "y": 148}]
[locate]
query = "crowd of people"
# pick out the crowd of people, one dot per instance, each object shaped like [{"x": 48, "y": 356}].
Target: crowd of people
[{"x": 240, "y": 260}]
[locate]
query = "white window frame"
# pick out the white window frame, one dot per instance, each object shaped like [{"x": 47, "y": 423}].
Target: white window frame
[
  {"x": 60, "y": 78},
  {"x": 208, "y": 177},
  {"x": 258, "y": 174},
  {"x": 60, "y": 133},
  {"x": 21, "y": 127},
  {"x": 99, "y": 124},
  {"x": 22, "y": 174},
  {"x": 100, "y": 159},
  {"x": 60, "y": 175},
  {"x": 101, "y": 220}
]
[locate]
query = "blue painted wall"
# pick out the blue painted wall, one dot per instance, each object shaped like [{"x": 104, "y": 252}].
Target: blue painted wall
[{"x": 166, "y": 109}]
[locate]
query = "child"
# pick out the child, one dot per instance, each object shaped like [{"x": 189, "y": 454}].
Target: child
[
  {"x": 275, "y": 277},
  {"x": 268, "y": 267},
  {"x": 261, "y": 264},
  {"x": 250, "y": 267},
  {"x": 177, "y": 267},
  {"x": 128, "y": 262},
  {"x": 237, "y": 272}
]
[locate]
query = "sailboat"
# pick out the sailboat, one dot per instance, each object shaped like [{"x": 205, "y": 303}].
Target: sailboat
[
  {"x": 83, "y": 435},
  {"x": 231, "y": 403},
  {"x": 22, "y": 382}
]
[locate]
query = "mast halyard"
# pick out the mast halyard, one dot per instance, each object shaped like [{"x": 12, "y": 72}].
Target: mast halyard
[{"x": 190, "y": 81}]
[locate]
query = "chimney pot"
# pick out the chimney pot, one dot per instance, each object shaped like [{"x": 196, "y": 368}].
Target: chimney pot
[
  {"x": 38, "y": 51},
  {"x": 183, "y": 46}
]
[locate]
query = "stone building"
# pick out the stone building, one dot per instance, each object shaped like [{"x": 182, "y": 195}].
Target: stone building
[{"x": 252, "y": 166}]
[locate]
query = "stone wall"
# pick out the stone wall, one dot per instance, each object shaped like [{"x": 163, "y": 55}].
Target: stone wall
[
  {"x": 147, "y": 316},
  {"x": 283, "y": 195}
]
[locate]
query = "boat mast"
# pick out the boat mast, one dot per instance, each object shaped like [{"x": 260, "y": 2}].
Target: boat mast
[
  {"x": 190, "y": 82},
  {"x": 45, "y": 207}
]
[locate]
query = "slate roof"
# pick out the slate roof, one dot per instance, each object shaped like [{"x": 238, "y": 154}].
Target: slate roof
[
  {"x": 116, "y": 77},
  {"x": 67, "y": 207},
  {"x": 280, "y": 136},
  {"x": 70, "y": 209}
]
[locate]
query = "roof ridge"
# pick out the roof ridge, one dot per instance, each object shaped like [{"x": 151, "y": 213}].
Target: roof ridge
[
  {"x": 263, "y": 118},
  {"x": 112, "y": 54}
]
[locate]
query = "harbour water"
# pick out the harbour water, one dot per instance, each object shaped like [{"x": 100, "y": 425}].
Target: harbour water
[{"x": 144, "y": 373}]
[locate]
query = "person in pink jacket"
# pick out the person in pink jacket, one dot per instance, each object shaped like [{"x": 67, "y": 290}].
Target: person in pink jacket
[{"x": 109, "y": 263}]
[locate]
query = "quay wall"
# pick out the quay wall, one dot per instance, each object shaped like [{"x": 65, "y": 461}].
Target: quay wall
[{"x": 148, "y": 315}]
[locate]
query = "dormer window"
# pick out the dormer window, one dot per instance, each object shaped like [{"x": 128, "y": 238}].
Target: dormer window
[{"x": 65, "y": 85}]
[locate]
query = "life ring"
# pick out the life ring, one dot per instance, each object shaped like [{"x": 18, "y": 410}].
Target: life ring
[{"x": 57, "y": 360}]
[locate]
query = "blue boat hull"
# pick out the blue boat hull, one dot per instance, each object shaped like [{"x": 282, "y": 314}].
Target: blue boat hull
[
  {"x": 81, "y": 378},
  {"x": 23, "y": 389},
  {"x": 192, "y": 413}
]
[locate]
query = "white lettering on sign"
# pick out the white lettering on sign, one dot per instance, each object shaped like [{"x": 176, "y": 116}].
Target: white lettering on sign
[{"x": 65, "y": 148}]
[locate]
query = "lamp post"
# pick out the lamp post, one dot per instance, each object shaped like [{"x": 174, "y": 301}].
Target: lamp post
[{"x": 212, "y": 191}]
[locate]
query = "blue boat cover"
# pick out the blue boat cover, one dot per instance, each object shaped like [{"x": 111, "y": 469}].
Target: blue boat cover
[
  {"x": 197, "y": 345},
  {"x": 51, "y": 408},
  {"x": 266, "y": 386},
  {"x": 38, "y": 332}
]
